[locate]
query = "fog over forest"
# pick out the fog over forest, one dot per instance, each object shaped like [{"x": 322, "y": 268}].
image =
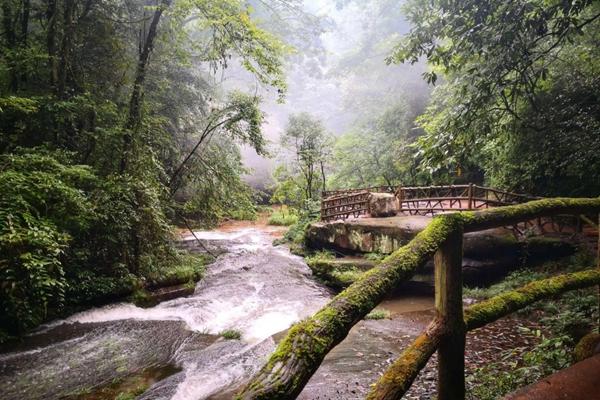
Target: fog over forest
[{"x": 338, "y": 74}]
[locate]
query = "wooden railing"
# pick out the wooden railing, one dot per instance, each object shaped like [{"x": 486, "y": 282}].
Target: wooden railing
[
  {"x": 422, "y": 200},
  {"x": 435, "y": 199},
  {"x": 344, "y": 205},
  {"x": 301, "y": 352},
  {"x": 373, "y": 189}
]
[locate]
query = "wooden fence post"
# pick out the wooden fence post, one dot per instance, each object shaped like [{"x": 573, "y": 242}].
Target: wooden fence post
[
  {"x": 448, "y": 303},
  {"x": 470, "y": 196}
]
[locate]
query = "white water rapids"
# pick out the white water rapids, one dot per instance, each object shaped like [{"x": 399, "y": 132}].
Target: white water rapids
[{"x": 253, "y": 288}]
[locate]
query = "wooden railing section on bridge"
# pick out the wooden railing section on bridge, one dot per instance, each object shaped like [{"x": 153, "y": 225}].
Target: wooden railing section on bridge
[
  {"x": 423, "y": 200},
  {"x": 301, "y": 352},
  {"x": 420, "y": 200}
]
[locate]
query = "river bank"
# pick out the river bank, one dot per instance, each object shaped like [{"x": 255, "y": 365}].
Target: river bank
[{"x": 252, "y": 288}]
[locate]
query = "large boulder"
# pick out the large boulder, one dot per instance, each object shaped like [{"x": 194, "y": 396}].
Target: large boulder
[{"x": 382, "y": 205}]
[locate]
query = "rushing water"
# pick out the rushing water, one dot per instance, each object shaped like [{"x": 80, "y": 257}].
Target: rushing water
[{"x": 254, "y": 288}]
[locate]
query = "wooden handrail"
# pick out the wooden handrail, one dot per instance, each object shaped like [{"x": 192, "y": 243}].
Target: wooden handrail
[
  {"x": 306, "y": 344},
  {"x": 435, "y": 199},
  {"x": 398, "y": 378}
]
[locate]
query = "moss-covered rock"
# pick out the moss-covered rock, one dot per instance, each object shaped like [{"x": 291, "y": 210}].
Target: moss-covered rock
[{"x": 588, "y": 346}]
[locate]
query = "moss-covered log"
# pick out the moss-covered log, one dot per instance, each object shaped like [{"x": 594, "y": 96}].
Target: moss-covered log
[
  {"x": 509, "y": 215},
  {"x": 396, "y": 381},
  {"x": 301, "y": 352},
  {"x": 506, "y": 303}
]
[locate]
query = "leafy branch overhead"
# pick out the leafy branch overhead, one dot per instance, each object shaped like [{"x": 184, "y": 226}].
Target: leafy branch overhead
[{"x": 511, "y": 73}]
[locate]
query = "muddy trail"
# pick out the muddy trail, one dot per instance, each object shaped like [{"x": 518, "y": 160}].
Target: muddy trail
[{"x": 176, "y": 348}]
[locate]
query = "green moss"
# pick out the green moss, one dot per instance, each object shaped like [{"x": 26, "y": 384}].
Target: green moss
[
  {"x": 306, "y": 344},
  {"x": 300, "y": 353},
  {"x": 587, "y": 346},
  {"x": 142, "y": 298},
  {"x": 398, "y": 378},
  {"x": 500, "y": 216},
  {"x": 345, "y": 278},
  {"x": 489, "y": 310}
]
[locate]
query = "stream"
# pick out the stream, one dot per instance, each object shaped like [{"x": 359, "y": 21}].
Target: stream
[{"x": 252, "y": 287}]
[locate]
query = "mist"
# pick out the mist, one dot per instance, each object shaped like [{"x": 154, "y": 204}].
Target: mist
[{"x": 337, "y": 73}]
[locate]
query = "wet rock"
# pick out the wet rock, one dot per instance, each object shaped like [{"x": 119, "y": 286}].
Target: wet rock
[
  {"x": 488, "y": 255},
  {"x": 382, "y": 205},
  {"x": 106, "y": 352}
]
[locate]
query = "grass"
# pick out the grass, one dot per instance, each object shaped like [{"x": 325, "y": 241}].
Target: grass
[
  {"x": 512, "y": 281},
  {"x": 345, "y": 278},
  {"x": 375, "y": 256},
  {"x": 231, "y": 334},
  {"x": 283, "y": 216},
  {"x": 336, "y": 276},
  {"x": 378, "y": 314},
  {"x": 190, "y": 267},
  {"x": 321, "y": 255}
]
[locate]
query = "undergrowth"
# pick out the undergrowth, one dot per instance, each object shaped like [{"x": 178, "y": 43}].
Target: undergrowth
[
  {"x": 565, "y": 321},
  {"x": 283, "y": 216}
]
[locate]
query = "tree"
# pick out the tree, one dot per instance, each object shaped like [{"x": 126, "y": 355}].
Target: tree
[
  {"x": 126, "y": 92},
  {"x": 305, "y": 137},
  {"x": 503, "y": 66},
  {"x": 378, "y": 152}
]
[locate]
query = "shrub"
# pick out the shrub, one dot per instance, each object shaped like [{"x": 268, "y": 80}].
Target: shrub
[
  {"x": 277, "y": 218},
  {"x": 40, "y": 205},
  {"x": 284, "y": 216}
]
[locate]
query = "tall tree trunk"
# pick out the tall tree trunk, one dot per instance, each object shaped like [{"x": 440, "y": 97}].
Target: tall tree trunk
[
  {"x": 11, "y": 41},
  {"x": 135, "y": 103},
  {"x": 25, "y": 22},
  {"x": 51, "y": 15},
  {"x": 24, "y": 32},
  {"x": 66, "y": 47}
]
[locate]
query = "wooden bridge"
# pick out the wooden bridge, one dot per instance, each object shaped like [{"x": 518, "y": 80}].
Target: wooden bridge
[
  {"x": 419, "y": 200},
  {"x": 306, "y": 344},
  {"x": 432, "y": 200}
]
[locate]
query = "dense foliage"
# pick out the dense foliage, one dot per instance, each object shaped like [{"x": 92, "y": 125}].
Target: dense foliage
[
  {"x": 113, "y": 127},
  {"x": 519, "y": 95}
]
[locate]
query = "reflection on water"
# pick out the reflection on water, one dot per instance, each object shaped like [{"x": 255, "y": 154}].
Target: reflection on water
[{"x": 407, "y": 304}]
